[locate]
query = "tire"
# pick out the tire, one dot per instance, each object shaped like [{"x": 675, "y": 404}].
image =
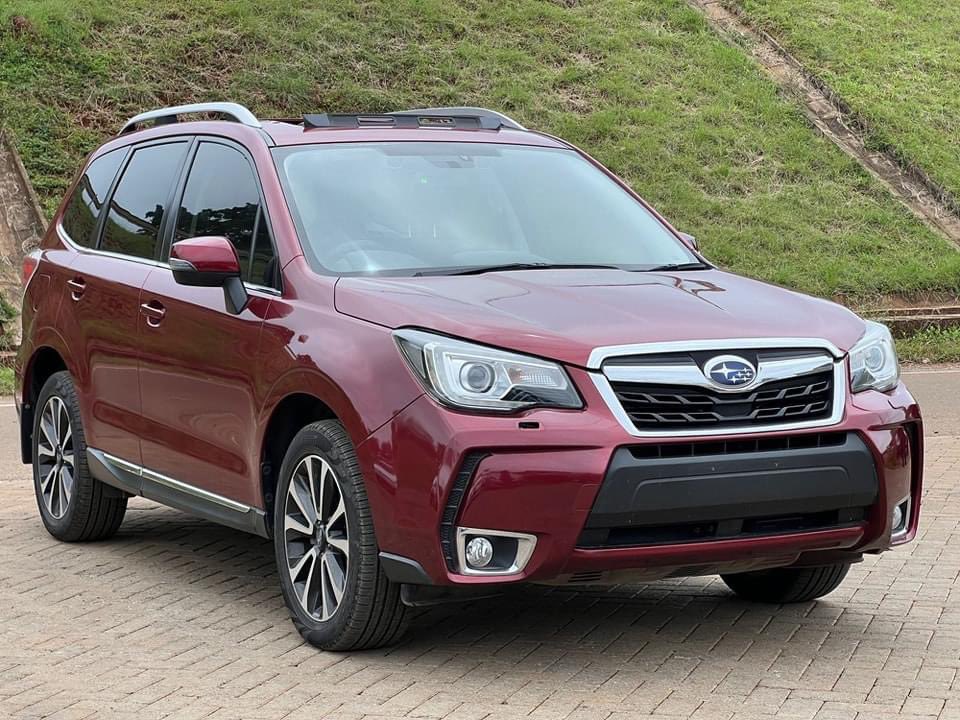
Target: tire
[
  {"x": 74, "y": 506},
  {"x": 787, "y": 585},
  {"x": 337, "y": 542}
]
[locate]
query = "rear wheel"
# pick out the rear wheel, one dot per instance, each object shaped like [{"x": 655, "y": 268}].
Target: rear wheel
[
  {"x": 74, "y": 506},
  {"x": 327, "y": 553},
  {"x": 787, "y": 585}
]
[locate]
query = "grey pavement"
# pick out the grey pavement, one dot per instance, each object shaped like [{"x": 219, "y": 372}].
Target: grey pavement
[{"x": 179, "y": 618}]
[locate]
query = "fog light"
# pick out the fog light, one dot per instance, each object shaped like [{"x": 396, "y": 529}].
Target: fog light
[
  {"x": 493, "y": 552},
  {"x": 900, "y": 519},
  {"x": 897, "y": 518},
  {"x": 479, "y": 552}
]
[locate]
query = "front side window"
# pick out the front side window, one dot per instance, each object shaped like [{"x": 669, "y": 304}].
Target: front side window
[
  {"x": 137, "y": 206},
  {"x": 221, "y": 197},
  {"x": 403, "y": 208},
  {"x": 80, "y": 217}
]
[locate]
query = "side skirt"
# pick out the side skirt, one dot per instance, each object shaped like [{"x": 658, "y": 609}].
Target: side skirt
[{"x": 137, "y": 480}]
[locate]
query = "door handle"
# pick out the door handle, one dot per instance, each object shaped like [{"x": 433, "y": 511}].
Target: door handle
[
  {"x": 154, "y": 312},
  {"x": 77, "y": 285}
]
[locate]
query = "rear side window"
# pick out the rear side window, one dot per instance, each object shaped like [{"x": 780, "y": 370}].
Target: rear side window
[
  {"x": 137, "y": 206},
  {"x": 80, "y": 217},
  {"x": 221, "y": 197}
]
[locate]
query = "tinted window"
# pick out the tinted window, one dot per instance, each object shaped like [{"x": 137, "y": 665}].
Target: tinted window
[
  {"x": 221, "y": 198},
  {"x": 80, "y": 217},
  {"x": 136, "y": 208}
]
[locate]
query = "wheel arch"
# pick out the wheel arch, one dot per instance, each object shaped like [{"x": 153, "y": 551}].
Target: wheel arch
[
  {"x": 44, "y": 362},
  {"x": 288, "y": 416}
]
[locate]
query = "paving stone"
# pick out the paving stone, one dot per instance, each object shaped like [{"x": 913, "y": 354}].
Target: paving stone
[{"x": 179, "y": 618}]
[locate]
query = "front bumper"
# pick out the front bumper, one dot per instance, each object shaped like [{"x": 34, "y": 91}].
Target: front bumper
[{"x": 431, "y": 470}]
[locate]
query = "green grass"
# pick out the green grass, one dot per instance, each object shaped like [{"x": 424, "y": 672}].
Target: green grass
[
  {"x": 643, "y": 85},
  {"x": 6, "y": 381},
  {"x": 932, "y": 345},
  {"x": 896, "y": 62}
]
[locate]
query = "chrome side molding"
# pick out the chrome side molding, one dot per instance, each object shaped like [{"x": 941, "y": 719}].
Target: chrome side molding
[{"x": 138, "y": 480}]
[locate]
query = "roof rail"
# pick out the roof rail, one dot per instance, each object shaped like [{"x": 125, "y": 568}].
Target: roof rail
[
  {"x": 406, "y": 120},
  {"x": 505, "y": 121},
  {"x": 169, "y": 115}
]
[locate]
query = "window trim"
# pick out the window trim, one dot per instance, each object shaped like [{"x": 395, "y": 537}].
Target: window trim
[
  {"x": 165, "y": 220},
  {"x": 69, "y": 242},
  {"x": 180, "y": 188}
]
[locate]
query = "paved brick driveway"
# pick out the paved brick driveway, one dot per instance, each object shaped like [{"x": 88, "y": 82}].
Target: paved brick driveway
[{"x": 180, "y": 618}]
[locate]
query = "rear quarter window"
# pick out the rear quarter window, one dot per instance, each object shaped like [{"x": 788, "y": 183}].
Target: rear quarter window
[{"x": 80, "y": 218}]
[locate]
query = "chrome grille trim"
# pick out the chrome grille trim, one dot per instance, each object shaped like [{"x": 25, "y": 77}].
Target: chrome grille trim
[
  {"x": 690, "y": 375},
  {"x": 598, "y": 355}
]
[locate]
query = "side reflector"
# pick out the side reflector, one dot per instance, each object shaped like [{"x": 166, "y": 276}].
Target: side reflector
[{"x": 31, "y": 262}]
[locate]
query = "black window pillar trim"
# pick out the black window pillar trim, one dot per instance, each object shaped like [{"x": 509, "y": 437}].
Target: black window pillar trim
[{"x": 169, "y": 222}]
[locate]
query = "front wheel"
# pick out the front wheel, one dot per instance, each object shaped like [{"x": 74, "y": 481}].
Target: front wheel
[
  {"x": 787, "y": 585},
  {"x": 327, "y": 555}
]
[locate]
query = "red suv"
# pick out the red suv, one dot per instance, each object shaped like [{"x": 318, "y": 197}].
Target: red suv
[{"x": 432, "y": 352}]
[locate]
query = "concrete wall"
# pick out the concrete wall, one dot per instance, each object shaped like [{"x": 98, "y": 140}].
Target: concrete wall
[{"x": 21, "y": 221}]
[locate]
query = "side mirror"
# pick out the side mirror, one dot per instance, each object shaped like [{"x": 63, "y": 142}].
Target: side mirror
[
  {"x": 210, "y": 262},
  {"x": 690, "y": 241}
]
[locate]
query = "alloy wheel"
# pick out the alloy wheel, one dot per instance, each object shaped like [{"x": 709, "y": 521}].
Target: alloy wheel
[
  {"x": 56, "y": 462},
  {"x": 316, "y": 537}
]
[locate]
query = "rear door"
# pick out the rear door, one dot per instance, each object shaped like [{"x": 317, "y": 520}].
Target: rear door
[
  {"x": 199, "y": 367},
  {"x": 100, "y": 316}
]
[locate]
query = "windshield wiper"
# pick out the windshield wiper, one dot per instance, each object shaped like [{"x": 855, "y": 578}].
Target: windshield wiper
[
  {"x": 677, "y": 266},
  {"x": 478, "y": 270}
]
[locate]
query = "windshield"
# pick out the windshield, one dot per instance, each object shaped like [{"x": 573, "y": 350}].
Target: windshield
[{"x": 426, "y": 208}]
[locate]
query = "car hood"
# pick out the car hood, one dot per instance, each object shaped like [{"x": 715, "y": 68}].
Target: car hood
[{"x": 565, "y": 314}]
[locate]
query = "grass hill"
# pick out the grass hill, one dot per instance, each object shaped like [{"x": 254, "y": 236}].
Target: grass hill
[{"x": 644, "y": 85}]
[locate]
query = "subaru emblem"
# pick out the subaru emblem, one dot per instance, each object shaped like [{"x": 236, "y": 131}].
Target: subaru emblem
[{"x": 729, "y": 371}]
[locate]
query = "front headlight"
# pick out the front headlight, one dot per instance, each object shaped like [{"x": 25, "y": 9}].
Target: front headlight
[
  {"x": 475, "y": 377},
  {"x": 873, "y": 360}
]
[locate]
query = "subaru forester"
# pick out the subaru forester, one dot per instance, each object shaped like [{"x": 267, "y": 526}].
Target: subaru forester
[{"x": 432, "y": 353}]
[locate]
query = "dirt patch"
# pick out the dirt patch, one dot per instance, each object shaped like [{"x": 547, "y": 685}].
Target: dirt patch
[{"x": 834, "y": 118}]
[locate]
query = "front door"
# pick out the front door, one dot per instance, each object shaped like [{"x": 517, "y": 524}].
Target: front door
[{"x": 199, "y": 363}]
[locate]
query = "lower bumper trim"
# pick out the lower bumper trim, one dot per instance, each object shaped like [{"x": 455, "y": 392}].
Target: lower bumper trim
[
  {"x": 717, "y": 492},
  {"x": 784, "y": 549}
]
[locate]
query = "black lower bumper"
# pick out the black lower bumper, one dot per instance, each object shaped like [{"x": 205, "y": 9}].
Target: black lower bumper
[{"x": 718, "y": 490}]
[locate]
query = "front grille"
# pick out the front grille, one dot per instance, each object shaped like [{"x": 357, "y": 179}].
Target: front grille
[
  {"x": 666, "y": 407},
  {"x": 736, "y": 447}
]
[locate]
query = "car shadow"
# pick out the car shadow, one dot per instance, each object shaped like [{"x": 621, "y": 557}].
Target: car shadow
[{"x": 645, "y": 627}]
